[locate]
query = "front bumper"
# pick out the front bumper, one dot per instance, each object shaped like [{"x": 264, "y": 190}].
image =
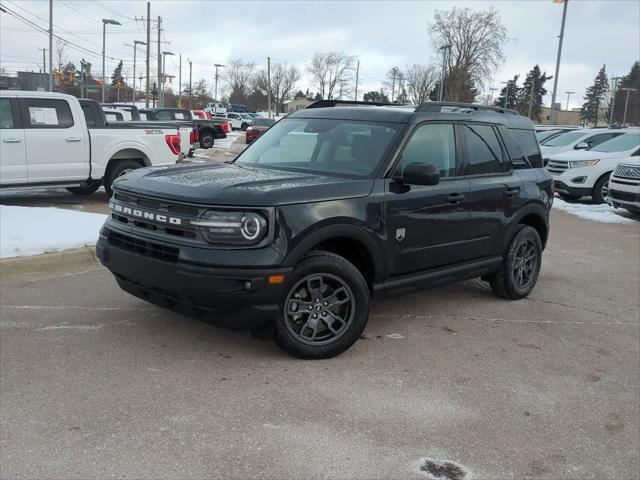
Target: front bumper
[
  {"x": 234, "y": 298},
  {"x": 562, "y": 187}
]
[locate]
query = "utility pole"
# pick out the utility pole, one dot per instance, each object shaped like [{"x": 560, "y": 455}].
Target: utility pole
[
  {"x": 180, "y": 83},
  {"x": 492, "y": 89},
  {"x": 50, "y": 45},
  {"x": 160, "y": 86},
  {"x": 443, "y": 73},
  {"x": 393, "y": 84},
  {"x": 506, "y": 94},
  {"x": 190, "y": 85},
  {"x": 269, "y": 85},
  {"x": 554, "y": 116},
  {"x": 357, "y": 75},
  {"x": 341, "y": 84},
  {"x": 146, "y": 91},
  {"x": 44, "y": 60}
]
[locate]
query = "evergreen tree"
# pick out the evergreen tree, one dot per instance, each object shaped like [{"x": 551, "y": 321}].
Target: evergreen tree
[
  {"x": 525, "y": 95},
  {"x": 595, "y": 96},
  {"x": 117, "y": 74},
  {"x": 631, "y": 80},
  {"x": 373, "y": 96},
  {"x": 512, "y": 94}
]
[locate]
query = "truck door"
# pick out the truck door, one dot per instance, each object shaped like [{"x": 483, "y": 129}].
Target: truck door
[
  {"x": 13, "y": 156},
  {"x": 426, "y": 223},
  {"x": 56, "y": 141}
]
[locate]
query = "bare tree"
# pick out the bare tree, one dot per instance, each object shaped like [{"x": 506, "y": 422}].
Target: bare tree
[
  {"x": 329, "y": 70},
  {"x": 239, "y": 75},
  {"x": 61, "y": 54},
  {"x": 421, "y": 80},
  {"x": 283, "y": 82},
  {"x": 476, "y": 39}
]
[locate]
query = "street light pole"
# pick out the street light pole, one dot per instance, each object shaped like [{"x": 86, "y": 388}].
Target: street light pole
[
  {"x": 613, "y": 99},
  {"x": 492, "y": 89},
  {"x": 51, "y": 45},
  {"x": 162, "y": 82},
  {"x": 626, "y": 102},
  {"x": 443, "y": 72},
  {"x": 215, "y": 93},
  {"x": 554, "y": 117},
  {"x": 393, "y": 84},
  {"x": 568, "y": 96},
  {"x": 506, "y": 94},
  {"x": 135, "y": 44},
  {"x": 105, "y": 21}
]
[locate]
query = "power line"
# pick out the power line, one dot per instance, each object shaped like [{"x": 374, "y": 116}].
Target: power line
[
  {"x": 78, "y": 11},
  {"x": 114, "y": 11}
]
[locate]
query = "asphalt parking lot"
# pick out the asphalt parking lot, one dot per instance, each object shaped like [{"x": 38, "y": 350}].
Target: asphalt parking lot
[{"x": 98, "y": 384}]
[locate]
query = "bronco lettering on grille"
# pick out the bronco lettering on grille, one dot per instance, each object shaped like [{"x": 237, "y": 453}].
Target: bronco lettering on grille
[{"x": 145, "y": 215}]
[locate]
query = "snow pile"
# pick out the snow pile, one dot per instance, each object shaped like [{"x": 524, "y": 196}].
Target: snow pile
[
  {"x": 28, "y": 231},
  {"x": 600, "y": 213}
]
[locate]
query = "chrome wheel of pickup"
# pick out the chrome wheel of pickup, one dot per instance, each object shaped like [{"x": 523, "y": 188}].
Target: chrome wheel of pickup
[{"x": 319, "y": 309}]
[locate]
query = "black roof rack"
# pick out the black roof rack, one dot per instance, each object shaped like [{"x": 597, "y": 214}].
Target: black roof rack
[
  {"x": 455, "y": 107},
  {"x": 333, "y": 103}
]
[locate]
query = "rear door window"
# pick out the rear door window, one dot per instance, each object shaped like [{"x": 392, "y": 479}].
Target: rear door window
[
  {"x": 46, "y": 113},
  {"x": 6, "y": 114},
  {"x": 484, "y": 152}
]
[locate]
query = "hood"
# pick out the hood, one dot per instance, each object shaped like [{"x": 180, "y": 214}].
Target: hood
[
  {"x": 586, "y": 155},
  {"x": 231, "y": 184}
]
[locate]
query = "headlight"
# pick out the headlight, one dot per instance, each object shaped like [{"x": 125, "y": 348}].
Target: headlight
[
  {"x": 232, "y": 227},
  {"x": 583, "y": 163}
]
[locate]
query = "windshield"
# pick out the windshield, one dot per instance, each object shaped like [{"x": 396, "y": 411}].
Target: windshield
[
  {"x": 622, "y": 143},
  {"x": 542, "y": 136},
  {"x": 246, "y": 116},
  {"x": 564, "y": 139},
  {"x": 332, "y": 147}
]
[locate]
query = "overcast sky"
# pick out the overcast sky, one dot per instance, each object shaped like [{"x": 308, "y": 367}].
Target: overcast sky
[{"x": 381, "y": 33}]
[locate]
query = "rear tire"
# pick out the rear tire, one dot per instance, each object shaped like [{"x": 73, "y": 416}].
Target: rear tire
[
  {"x": 519, "y": 272},
  {"x": 325, "y": 307},
  {"x": 600, "y": 190},
  {"x": 244, "y": 126},
  {"x": 87, "y": 189},
  {"x": 121, "y": 167},
  {"x": 207, "y": 140}
]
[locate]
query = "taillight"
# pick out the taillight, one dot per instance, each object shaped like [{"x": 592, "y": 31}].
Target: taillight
[
  {"x": 193, "y": 136},
  {"x": 226, "y": 126},
  {"x": 174, "y": 143}
]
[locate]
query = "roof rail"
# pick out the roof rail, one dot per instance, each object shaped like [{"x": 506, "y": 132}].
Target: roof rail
[
  {"x": 334, "y": 103},
  {"x": 437, "y": 107}
]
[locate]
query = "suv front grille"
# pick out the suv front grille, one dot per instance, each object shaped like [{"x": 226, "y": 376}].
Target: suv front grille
[
  {"x": 143, "y": 247},
  {"x": 557, "y": 166},
  {"x": 627, "y": 171}
]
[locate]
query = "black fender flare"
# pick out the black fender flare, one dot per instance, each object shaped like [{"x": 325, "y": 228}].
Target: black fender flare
[
  {"x": 353, "y": 232},
  {"x": 536, "y": 208}
]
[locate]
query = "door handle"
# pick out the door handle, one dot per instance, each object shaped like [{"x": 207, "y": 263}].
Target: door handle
[
  {"x": 11, "y": 140},
  {"x": 72, "y": 139},
  {"x": 511, "y": 192},
  {"x": 455, "y": 198}
]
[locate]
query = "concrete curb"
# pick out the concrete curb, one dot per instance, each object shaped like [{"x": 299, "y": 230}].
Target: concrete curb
[{"x": 48, "y": 263}]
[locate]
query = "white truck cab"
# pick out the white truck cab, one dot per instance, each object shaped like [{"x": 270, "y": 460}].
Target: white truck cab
[
  {"x": 45, "y": 142},
  {"x": 216, "y": 108}
]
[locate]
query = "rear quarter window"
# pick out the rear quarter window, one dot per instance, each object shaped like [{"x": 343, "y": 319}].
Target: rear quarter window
[{"x": 528, "y": 145}]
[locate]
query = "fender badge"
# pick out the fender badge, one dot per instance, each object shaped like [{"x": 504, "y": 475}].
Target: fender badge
[{"x": 400, "y": 234}]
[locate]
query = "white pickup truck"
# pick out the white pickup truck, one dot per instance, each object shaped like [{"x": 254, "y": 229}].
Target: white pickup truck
[{"x": 51, "y": 140}]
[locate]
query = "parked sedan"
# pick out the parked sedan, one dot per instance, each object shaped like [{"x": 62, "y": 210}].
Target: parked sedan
[{"x": 258, "y": 127}]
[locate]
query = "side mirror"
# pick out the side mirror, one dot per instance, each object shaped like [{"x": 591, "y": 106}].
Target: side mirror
[
  {"x": 582, "y": 146},
  {"x": 418, "y": 174}
]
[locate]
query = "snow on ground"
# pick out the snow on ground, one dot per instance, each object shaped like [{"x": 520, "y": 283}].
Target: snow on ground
[
  {"x": 600, "y": 213},
  {"x": 225, "y": 143},
  {"x": 28, "y": 231}
]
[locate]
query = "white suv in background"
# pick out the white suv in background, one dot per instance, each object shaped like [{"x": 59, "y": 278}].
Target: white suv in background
[
  {"x": 624, "y": 185},
  {"x": 583, "y": 139},
  {"x": 585, "y": 173}
]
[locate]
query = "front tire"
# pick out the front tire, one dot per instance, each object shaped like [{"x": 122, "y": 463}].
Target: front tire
[
  {"x": 120, "y": 168},
  {"x": 600, "y": 190},
  {"x": 521, "y": 267},
  {"x": 325, "y": 307},
  {"x": 244, "y": 126},
  {"x": 87, "y": 189}
]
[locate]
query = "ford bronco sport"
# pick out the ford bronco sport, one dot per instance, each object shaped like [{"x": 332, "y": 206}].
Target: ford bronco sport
[{"x": 332, "y": 204}]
